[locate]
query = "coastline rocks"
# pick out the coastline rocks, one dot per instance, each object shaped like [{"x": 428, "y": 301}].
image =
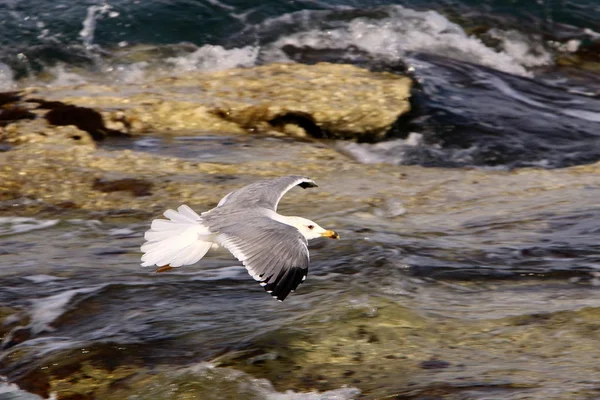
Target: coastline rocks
[
  {"x": 384, "y": 347},
  {"x": 39, "y": 177},
  {"x": 323, "y": 100},
  {"x": 38, "y": 131},
  {"x": 389, "y": 350},
  {"x": 401, "y": 344}
]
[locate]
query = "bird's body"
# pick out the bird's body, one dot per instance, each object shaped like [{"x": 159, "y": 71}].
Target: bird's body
[{"x": 272, "y": 247}]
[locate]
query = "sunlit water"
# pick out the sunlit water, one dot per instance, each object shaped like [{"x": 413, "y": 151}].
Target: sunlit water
[{"x": 491, "y": 101}]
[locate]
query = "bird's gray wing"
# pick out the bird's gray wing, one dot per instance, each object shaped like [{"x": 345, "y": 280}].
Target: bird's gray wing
[
  {"x": 275, "y": 254},
  {"x": 266, "y": 193}
]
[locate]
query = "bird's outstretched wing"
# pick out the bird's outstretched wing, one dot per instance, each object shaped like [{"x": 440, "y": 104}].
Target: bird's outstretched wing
[
  {"x": 275, "y": 254},
  {"x": 266, "y": 193}
]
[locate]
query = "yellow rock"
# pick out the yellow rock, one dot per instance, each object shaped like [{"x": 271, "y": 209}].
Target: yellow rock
[{"x": 322, "y": 100}]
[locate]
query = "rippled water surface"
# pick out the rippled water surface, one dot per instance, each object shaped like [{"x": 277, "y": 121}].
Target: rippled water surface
[
  {"x": 78, "y": 286},
  {"x": 490, "y": 295},
  {"x": 500, "y": 85}
]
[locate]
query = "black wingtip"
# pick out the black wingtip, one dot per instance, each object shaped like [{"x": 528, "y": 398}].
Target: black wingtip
[
  {"x": 306, "y": 185},
  {"x": 285, "y": 283}
]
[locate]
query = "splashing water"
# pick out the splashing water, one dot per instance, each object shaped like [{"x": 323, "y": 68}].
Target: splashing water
[
  {"x": 89, "y": 23},
  {"x": 6, "y": 77},
  {"x": 215, "y": 58},
  {"x": 404, "y": 30}
]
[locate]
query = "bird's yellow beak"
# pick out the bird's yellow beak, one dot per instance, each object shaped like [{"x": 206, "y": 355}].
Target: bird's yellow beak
[{"x": 330, "y": 234}]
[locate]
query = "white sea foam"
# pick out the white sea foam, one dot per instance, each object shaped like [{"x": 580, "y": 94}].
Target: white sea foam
[
  {"x": 148, "y": 142},
  {"x": 7, "y": 80},
  {"x": 207, "y": 58},
  {"x": 215, "y": 58},
  {"x": 262, "y": 388},
  {"x": 16, "y": 225},
  {"x": 131, "y": 73},
  {"x": 523, "y": 50},
  {"x": 64, "y": 77},
  {"x": 47, "y": 309},
  {"x": 232, "y": 272},
  {"x": 390, "y": 38},
  {"x": 120, "y": 232},
  {"x": 89, "y": 23},
  {"x": 572, "y": 45},
  {"x": 406, "y": 30},
  {"x": 391, "y": 151},
  {"x": 42, "y": 278},
  {"x": 336, "y": 394},
  {"x": 591, "y": 33}
]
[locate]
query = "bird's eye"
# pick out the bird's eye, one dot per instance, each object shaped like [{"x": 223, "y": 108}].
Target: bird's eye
[{"x": 311, "y": 227}]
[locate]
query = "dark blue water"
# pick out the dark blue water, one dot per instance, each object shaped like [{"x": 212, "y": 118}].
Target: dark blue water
[
  {"x": 493, "y": 90},
  {"x": 217, "y": 22}
]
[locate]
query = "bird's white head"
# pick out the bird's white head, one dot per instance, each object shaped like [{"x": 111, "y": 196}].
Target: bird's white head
[{"x": 310, "y": 229}]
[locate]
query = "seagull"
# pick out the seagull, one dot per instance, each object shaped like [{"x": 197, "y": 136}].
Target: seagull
[{"x": 272, "y": 247}]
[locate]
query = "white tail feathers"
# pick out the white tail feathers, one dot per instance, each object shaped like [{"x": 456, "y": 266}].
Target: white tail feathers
[{"x": 180, "y": 240}]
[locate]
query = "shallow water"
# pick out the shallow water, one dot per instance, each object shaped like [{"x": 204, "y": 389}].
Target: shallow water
[
  {"x": 500, "y": 85},
  {"x": 486, "y": 295},
  {"x": 210, "y": 148},
  {"x": 75, "y": 285}
]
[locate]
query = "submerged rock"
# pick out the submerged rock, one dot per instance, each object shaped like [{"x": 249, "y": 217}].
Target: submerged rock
[
  {"x": 387, "y": 349},
  {"x": 382, "y": 345},
  {"x": 9, "y": 319},
  {"x": 83, "y": 177},
  {"x": 100, "y": 180},
  {"x": 373, "y": 346}
]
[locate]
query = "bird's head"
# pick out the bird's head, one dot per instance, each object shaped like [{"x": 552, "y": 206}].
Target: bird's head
[{"x": 310, "y": 229}]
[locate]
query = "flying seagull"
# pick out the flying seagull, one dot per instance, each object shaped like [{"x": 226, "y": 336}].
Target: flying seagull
[{"x": 272, "y": 247}]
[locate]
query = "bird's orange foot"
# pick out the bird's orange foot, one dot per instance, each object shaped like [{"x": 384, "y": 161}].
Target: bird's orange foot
[{"x": 164, "y": 268}]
